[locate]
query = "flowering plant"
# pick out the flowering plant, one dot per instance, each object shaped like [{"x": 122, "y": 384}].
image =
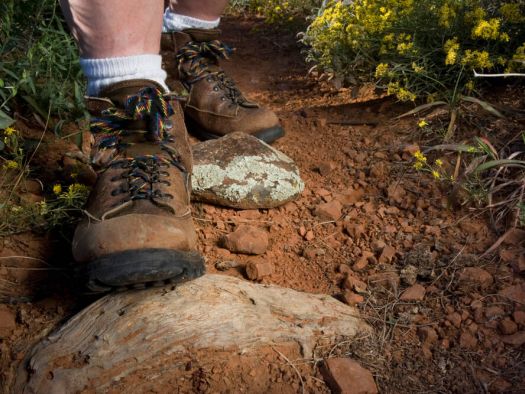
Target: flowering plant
[
  {"x": 418, "y": 49},
  {"x": 277, "y": 11}
]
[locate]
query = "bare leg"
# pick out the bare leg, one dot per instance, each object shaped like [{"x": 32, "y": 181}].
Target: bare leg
[
  {"x": 113, "y": 28},
  {"x": 202, "y": 9}
]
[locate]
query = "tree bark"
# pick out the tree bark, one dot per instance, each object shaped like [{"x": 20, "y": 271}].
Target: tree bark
[{"x": 126, "y": 333}]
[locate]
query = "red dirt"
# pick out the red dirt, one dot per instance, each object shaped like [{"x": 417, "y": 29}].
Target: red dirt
[{"x": 364, "y": 219}]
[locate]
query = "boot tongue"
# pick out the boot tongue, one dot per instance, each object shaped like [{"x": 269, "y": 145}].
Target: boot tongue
[
  {"x": 119, "y": 92},
  {"x": 136, "y": 138}
]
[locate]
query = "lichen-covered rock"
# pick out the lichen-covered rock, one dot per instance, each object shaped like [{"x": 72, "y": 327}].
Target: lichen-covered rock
[{"x": 240, "y": 171}]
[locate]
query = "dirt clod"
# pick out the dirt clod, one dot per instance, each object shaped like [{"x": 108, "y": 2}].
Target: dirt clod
[
  {"x": 517, "y": 339},
  {"x": 475, "y": 278},
  {"x": 455, "y": 319},
  {"x": 409, "y": 275},
  {"x": 396, "y": 193},
  {"x": 329, "y": 210},
  {"x": 514, "y": 293},
  {"x": 353, "y": 283},
  {"x": 467, "y": 341},
  {"x": 246, "y": 239},
  {"x": 352, "y": 298},
  {"x": 519, "y": 317},
  {"x": 413, "y": 293},
  {"x": 346, "y": 376},
  {"x": 355, "y": 230},
  {"x": 427, "y": 335},
  {"x": 507, "y": 327},
  {"x": 351, "y": 196},
  {"x": 325, "y": 168},
  {"x": 256, "y": 270},
  {"x": 388, "y": 280},
  {"x": 387, "y": 254}
]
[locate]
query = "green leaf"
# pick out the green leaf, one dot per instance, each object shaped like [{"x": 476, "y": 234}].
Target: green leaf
[
  {"x": 5, "y": 120},
  {"x": 454, "y": 147},
  {"x": 32, "y": 102},
  {"x": 500, "y": 163},
  {"x": 483, "y": 104},
  {"x": 421, "y": 108}
]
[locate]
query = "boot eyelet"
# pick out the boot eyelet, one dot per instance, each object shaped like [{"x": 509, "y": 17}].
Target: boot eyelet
[
  {"x": 168, "y": 125},
  {"x": 223, "y": 98},
  {"x": 215, "y": 88}
]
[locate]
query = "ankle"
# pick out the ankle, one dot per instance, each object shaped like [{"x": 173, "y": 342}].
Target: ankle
[{"x": 101, "y": 73}]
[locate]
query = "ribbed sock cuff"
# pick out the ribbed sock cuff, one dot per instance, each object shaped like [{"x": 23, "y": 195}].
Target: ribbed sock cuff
[
  {"x": 174, "y": 22},
  {"x": 101, "y": 73}
]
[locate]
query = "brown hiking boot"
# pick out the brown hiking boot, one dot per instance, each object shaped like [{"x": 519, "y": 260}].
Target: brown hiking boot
[
  {"x": 138, "y": 230},
  {"x": 215, "y": 106}
]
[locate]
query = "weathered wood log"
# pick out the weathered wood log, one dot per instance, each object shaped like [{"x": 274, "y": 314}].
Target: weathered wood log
[{"x": 128, "y": 333}]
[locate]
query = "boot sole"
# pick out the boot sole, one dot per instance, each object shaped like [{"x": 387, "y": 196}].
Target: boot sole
[
  {"x": 138, "y": 269},
  {"x": 268, "y": 135}
]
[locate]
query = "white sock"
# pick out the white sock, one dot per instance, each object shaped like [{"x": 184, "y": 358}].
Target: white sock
[
  {"x": 174, "y": 22},
  {"x": 101, "y": 73}
]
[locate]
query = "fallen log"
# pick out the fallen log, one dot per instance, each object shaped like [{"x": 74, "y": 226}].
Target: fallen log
[{"x": 125, "y": 334}]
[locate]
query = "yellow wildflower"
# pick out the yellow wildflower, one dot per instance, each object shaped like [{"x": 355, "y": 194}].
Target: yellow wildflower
[
  {"x": 504, "y": 37},
  {"x": 420, "y": 156},
  {"x": 405, "y": 95},
  {"x": 393, "y": 87},
  {"x": 381, "y": 70},
  {"x": 422, "y": 123},
  {"x": 405, "y": 47},
  {"x": 418, "y": 165},
  {"x": 389, "y": 37},
  {"x": 451, "y": 48},
  {"x": 487, "y": 29},
  {"x": 436, "y": 174},
  {"x": 446, "y": 15},
  {"x": 9, "y": 131},
  {"x": 476, "y": 58},
  {"x": 439, "y": 162},
  {"x": 417, "y": 69},
  {"x": 11, "y": 164},
  {"x": 43, "y": 208},
  {"x": 57, "y": 189},
  {"x": 77, "y": 188}
]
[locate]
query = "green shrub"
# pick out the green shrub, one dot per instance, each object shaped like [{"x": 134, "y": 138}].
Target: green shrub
[
  {"x": 61, "y": 208},
  {"x": 39, "y": 65},
  {"x": 418, "y": 49},
  {"x": 277, "y": 11}
]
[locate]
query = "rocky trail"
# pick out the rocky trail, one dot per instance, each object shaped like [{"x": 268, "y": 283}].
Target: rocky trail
[{"x": 367, "y": 230}]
